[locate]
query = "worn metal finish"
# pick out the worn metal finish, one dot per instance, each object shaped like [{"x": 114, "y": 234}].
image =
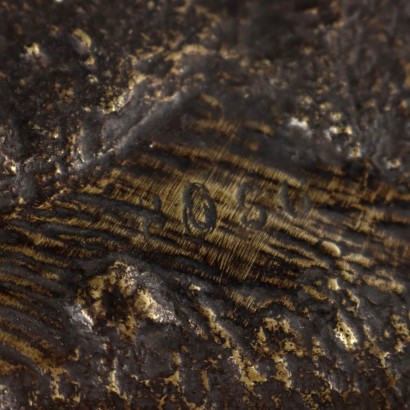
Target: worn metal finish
[{"x": 204, "y": 204}]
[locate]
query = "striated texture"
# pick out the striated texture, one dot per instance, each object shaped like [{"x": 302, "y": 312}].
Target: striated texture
[{"x": 204, "y": 204}]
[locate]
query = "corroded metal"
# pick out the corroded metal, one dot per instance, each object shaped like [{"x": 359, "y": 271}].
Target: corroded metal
[{"x": 205, "y": 204}]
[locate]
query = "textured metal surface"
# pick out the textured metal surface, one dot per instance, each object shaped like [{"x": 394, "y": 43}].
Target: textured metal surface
[{"x": 204, "y": 204}]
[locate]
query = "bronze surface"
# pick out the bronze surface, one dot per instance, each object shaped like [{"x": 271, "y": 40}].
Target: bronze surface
[{"x": 204, "y": 205}]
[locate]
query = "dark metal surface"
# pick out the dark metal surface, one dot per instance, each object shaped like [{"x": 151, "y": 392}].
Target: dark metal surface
[{"x": 204, "y": 204}]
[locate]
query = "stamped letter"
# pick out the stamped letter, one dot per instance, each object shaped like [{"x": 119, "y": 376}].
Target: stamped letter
[
  {"x": 152, "y": 217},
  {"x": 254, "y": 215},
  {"x": 199, "y": 211},
  {"x": 294, "y": 203}
]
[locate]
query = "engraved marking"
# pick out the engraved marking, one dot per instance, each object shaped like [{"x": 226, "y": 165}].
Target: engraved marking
[
  {"x": 152, "y": 217},
  {"x": 199, "y": 211},
  {"x": 293, "y": 202},
  {"x": 249, "y": 208}
]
